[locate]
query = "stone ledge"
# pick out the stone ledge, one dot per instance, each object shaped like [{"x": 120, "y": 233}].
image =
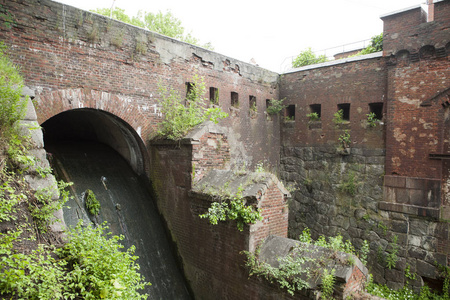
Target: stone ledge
[{"x": 410, "y": 209}]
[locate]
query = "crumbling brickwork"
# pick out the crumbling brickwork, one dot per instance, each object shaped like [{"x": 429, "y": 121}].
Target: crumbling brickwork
[{"x": 369, "y": 180}]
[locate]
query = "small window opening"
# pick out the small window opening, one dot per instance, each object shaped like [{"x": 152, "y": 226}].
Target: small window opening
[
  {"x": 377, "y": 109},
  {"x": 267, "y": 103},
  {"x": 345, "y": 107},
  {"x": 189, "y": 89},
  {"x": 252, "y": 102},
  {"x": 214, "y": 95},
  {"x": 289, "y": 113},
  {"x": 234, "y": 99},
  {"x": 316, "y": 109}
]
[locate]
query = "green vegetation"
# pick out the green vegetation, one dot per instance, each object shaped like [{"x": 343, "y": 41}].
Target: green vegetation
[
  {"x": 296, "y": 269},
  {"x": 345, "y": 140},
  {"x": 349, "y": 186},
  {"x": 12, "y": 105},
  {"x": 392, "y": 258},
  {"x": 313, "y": 116},
  {"x": 338, "y": 117},
  {"x": 43, "y": 206},
  {"x": 376, "y": 45},
  {"x": 180, "y": 118},
  {"x": 328, "y": 281},
  {"x": 92, "y": 204},
  {"x": 307, "y": 57},
  {"x": 232, "y": 207},
  {"x": 275, "y": 106},
  {"x": 372, "y": 119},
  {"x": 90, "y": 265},
  {"x": 289, "y": 275},
  {"x": 162, "y": 23}
]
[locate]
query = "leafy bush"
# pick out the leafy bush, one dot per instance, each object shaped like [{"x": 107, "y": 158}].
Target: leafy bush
[
  {"x": 338, "y": 117},
  {"x": 275, "y": 106},
  {"x": 98, "y": 269},
  {"x": 181, "y": 115},
  {"x": 43, "y": 207},
  {"x": 308, "y": 57},
  {"x": 92, "y": 204},
  {"x": 372, "y": 119},
  {"x": 90, "y": 265},
  {"x": 313, "y": 116},
  {"x": 12, "y": 105},
  {"x": 376, "y": 45},
  {"x": 235, "y": 209}
]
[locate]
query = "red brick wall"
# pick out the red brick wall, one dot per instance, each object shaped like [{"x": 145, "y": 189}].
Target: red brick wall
[
  {"x": 358, "y": 83},
  {"x": 409, "y": 30},
  {"x": 60, "y": 48},
  {"x": 211, "y": 254},
  {"x": 274, "y": 212},
  {"x": 211, "y": 152},
  {"x": 415, "y": 131}
]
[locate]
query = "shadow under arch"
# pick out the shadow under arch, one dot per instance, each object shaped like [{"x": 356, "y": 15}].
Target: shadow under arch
[{"x": 97, "y": 125}]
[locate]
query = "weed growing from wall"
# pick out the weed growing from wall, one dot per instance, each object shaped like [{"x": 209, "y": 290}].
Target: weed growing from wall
[
  {"x": 338, "y": 117},
  {"x": 92, "y": 204},
  {"x": 181, "y": 115},
  {"x": 313, "y": 117},
  {"x": 372, "y": 120},
  {"x": 297, "y": 268},
  {"x": 275, "y": 106},
  {"x": 234, "y": 209}
]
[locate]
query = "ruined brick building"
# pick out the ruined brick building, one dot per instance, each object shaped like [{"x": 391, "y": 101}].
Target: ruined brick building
[{"x": 388, "y": 185}]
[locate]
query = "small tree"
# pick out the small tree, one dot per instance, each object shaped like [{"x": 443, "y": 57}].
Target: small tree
[
  {"x": 307, "y": 57},
  {"x": 376, "y": 45},
  {"x": 181, "y": 115},
  {"x": 163, "y": 23}
]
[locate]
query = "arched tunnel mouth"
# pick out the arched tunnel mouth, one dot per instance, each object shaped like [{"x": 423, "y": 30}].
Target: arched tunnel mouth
[
  {"x": 98, "y": 151},
  {"x": 92, "y": 125}
]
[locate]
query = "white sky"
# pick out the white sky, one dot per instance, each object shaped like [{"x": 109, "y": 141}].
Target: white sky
[{"x": 270, "y": 33}]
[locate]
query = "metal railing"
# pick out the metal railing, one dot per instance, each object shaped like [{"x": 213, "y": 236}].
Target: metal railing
[{"x": 328, "y": 52}]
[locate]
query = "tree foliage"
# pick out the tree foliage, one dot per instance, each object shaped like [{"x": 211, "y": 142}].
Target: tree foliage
[
  {"x": 308, "y": 57},
  {"x": 162, "y": 23},
  {"x": 376, "y": 45}
]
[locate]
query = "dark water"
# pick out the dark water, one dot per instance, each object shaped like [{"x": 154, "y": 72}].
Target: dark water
[{"x": 125, "y": 205}]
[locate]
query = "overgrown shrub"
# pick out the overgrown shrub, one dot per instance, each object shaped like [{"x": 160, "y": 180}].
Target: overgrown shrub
[
  {"x": 12, "y": 105},
  {"x": 180, "y": 115}
]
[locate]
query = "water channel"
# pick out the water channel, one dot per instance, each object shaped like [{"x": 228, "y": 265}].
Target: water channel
[{"x": 126, "y": 206}]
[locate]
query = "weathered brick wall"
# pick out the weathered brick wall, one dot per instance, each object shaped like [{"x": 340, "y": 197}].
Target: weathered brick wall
[
  {"x": 357, "y": 83},
  {"x": 410, "y": 30},
  {"x": 211, "y": 255},
  {"x": 397, "y": 169},
  {"x": 210, "y": 152},
  {"x": 61, "y": 49}
]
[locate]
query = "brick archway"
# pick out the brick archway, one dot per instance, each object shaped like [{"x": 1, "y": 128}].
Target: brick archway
[
  {"x": 140, "y": 117},
  {"x": 124, "y": 125}
]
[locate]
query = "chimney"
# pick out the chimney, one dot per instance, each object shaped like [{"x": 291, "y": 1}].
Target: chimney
[{"x": 430, "y": 11}]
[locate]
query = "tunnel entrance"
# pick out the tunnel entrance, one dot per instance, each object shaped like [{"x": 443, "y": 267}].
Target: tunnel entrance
[
  {"x": 98, "y": 151},
  {"x": 88, "y": 124}
]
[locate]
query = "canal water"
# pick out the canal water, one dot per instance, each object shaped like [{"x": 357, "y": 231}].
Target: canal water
[{"x": 126, "y": 206}]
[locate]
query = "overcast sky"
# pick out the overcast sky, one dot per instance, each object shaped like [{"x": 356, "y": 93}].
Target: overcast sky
[{"x": 269, "y": 33}]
